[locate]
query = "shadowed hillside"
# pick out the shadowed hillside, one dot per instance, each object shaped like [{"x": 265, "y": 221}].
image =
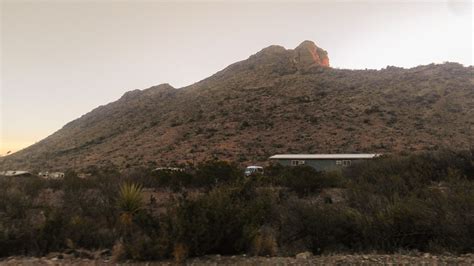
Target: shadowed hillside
[{"x": 276, "y": 101}]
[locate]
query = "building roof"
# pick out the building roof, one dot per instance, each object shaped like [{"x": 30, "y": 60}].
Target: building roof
[
  {"x": 324, "y": 156},
  {"x": 255, "y": 166},
  {"x": 14, "y": 173}
]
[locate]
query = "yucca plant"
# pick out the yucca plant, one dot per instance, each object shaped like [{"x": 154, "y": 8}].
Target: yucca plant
[{"x": 130, "y": 201}]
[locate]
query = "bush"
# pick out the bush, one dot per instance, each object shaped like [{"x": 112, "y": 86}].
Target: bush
[
  {"x": 304, "y": 180},
  {"x": 211, "y": 173},
  {"x": 322, "y": 228},
  {"x": 224, "y": 221},
  {"x": 176, "y": 180}
]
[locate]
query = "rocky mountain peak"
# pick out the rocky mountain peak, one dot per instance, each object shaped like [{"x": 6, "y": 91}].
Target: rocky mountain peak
[
  {"x": 278, "y": 59},
  {"x": 308, "y": 54}
]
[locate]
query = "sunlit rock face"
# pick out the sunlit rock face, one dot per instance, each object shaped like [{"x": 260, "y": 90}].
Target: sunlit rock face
[
  {"x": 307, "y": 54},
  {"x": 277, "y": 59}
]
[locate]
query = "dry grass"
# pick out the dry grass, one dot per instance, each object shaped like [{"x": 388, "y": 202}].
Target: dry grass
[
  {"x": 180, "y": 252},
  {"x": 265, "y": 244}
]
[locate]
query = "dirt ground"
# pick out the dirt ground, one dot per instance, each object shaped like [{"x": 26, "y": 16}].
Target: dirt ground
[{"x": 340, "y": 259}]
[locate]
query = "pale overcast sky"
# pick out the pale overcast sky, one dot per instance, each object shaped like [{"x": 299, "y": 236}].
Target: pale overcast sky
[{"x": 60, "y": 59}]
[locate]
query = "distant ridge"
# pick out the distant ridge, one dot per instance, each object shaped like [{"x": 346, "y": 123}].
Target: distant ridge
[{"x": 277, "y": 101}]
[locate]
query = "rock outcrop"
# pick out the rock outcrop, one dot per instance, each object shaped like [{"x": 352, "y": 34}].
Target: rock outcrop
[
  {"x": 307, "y": 54},
  {"x": 278, "y": 59}
]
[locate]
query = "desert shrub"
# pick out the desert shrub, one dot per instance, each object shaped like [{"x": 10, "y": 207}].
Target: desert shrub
[
  {"x": 321, "y": 228},
  {"x": 402, "y": 224},
  {"x": 210, "y": 173},
  {"x": 224, "y": 221},
  {"x": 413, "y": 202},
  {"x": 175, "y": 180},
  {"x": 50, "y": 235},
  {"x": 86, "y": 217},
  {"x": 416, "y": 169},
  {"x": 304, "y": 180},
  {"x": 141, "y": 235},
  {"x": 422, "y": 201},
  {"x": 15, "y": 228},
  {"x": 143, "y": 239},
  {"x": 32, "y": 186},
  {"x": 453, "y": 210},
  {"x": 86, "y": 232}
]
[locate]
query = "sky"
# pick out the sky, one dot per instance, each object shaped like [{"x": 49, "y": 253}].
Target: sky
[{"x": 61, "y": 59}]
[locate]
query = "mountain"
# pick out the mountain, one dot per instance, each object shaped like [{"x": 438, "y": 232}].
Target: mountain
[{"x": 276, "y": 101}]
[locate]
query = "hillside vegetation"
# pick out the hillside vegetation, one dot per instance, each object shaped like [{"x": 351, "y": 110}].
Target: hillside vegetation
[
  {"x": 421, "y": 202},
  {"x": 276, "y": 101}
]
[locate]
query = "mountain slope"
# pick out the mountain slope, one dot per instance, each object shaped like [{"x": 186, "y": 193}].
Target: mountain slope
[{"x": 276, "y": 101}]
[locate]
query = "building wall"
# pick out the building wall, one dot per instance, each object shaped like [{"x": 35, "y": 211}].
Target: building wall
[{"x": 320, "y": 165}]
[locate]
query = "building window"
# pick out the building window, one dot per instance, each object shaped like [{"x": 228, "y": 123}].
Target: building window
[
  {"x": 297, "y": 162},
  {"x": 346, "y": 163}
]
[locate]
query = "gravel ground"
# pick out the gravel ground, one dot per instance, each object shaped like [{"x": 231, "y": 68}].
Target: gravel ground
[{"x": 372, "y": 259}]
